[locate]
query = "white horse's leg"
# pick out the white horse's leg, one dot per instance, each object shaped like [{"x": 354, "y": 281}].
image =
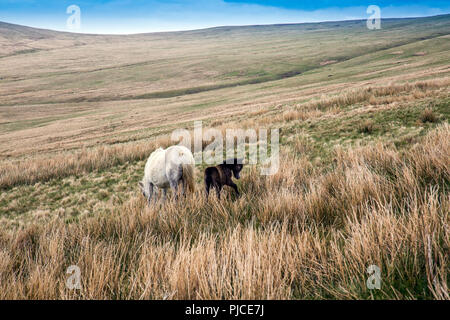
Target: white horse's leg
[
  {"x": 173, "y": 175},
  {"x": 155, "y": 194},
  {"x": 183, "y": 187},
  {"x": 174, "y": 187},
  {"x": 150, "y": 193}
]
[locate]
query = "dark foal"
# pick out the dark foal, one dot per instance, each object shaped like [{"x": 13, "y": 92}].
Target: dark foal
[{"x": 219, "y": 176}]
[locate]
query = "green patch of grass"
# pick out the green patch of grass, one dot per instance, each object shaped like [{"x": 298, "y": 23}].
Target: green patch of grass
[{"x": 399, "y": 125}]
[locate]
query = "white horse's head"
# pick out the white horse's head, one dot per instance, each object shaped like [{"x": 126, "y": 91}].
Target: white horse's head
[{"x": 141, "y": 186}]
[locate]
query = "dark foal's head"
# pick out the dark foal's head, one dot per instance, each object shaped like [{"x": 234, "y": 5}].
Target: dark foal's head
[{"x": 235, "y": 166}]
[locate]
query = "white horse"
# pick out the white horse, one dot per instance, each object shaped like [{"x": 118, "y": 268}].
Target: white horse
[{"x": 166, "y": 169}]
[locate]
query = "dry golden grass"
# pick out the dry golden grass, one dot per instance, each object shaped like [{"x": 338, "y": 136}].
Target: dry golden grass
[
  {"x": 45, "y": 168},
  {"x": 302, "y": 233}
]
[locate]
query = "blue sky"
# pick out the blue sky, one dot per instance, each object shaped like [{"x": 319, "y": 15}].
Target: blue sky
[{"x": 134, "y": 16}]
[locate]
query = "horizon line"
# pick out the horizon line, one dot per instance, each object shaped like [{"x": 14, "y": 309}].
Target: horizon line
[{"x": 215, "y": 27}]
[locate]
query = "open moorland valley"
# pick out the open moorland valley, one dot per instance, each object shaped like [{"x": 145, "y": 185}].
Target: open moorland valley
[{"x": 363, "y": 179}]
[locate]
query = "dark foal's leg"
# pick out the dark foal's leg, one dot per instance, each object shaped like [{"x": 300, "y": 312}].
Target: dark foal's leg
[
  {"x": 218, "y": 188},
  {"x": 207, "y": 185},
  {"x": 234, "y": 186}
]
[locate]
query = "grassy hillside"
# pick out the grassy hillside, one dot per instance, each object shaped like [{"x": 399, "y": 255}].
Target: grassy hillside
[{"x": 364, "y": 175}]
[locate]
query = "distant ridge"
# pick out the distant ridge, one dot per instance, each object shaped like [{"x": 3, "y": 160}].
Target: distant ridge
[{"x": 17, "y": 27}]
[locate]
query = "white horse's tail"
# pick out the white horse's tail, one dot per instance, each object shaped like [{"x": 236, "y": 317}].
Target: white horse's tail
[{"x": 188, "y": 176}]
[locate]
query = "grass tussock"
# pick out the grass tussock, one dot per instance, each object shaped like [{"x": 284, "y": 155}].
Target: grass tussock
[
  {"x": 366, "y": 126},
  {"x": 305, "y": 232},
  {"x": 428, "y": 116}
]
